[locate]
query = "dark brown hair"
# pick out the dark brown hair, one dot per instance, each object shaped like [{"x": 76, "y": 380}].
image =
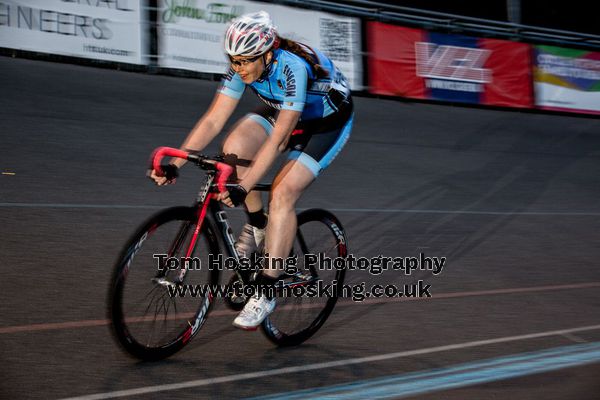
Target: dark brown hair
[{"x": 299, "y": 50}]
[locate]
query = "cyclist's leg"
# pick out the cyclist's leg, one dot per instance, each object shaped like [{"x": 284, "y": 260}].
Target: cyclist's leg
[
  {"x": 306, "y": 161},
  {"x": 288, "y": 186},
  {"x": 310, "y": 155},
  {"x": 244, "y": 141}
]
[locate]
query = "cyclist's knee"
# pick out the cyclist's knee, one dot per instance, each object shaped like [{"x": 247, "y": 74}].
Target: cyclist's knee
[
  {"x": 234, "y": 145},
  {"x": 245, "y": 138},
  {"x": 283, "y": 198}
]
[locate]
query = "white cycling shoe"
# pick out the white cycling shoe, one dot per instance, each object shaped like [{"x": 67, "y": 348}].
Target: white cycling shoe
[{"x": 254, "y": 313}]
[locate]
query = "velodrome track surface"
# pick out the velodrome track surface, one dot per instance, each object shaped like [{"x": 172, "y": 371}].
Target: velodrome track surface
[{"x": 511, "y": 199}]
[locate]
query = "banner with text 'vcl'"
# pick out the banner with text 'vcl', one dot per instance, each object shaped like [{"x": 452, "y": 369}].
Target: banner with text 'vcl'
[
  {"x": 419, "y": 64},
  {"x": 191, "y": 34},
  {"x": 110, "y": 30}
]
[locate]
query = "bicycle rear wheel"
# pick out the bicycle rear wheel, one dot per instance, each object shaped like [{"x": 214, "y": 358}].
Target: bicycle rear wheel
[
  {"x": 150, "y": 318},
  {"x": 297, "y": 318}
]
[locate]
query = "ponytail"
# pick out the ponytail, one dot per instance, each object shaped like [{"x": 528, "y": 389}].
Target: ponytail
[{"x": 300, "y": 50}]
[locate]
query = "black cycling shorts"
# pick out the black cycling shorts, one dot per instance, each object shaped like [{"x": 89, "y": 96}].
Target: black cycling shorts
[{"x": 314, "y": 143}]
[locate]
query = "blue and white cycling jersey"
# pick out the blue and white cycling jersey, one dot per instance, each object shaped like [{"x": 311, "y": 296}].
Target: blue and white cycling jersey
[{"x": 287, "y": 87}]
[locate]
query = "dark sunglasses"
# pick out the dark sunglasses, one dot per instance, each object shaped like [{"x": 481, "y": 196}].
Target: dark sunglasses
[{"x": 244, "y": 62}]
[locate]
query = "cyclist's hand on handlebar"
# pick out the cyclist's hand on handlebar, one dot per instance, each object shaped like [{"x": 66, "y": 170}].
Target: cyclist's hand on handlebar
[
  {"x": 171, "y": 172},
  {"x": 234, "y": 197}
]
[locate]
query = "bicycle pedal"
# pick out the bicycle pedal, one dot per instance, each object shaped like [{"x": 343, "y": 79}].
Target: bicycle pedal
[
  {"x": 164, "y": 282},
  {"x": 301, "y": 277}
]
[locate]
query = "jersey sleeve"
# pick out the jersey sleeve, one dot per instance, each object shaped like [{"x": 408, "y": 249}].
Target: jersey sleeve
[
  {"x": 232, "y": 85},
  {"x": 296, "y": 78}
]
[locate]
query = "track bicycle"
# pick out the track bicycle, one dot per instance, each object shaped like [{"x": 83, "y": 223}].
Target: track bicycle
[{"x": 151, "y": 324}]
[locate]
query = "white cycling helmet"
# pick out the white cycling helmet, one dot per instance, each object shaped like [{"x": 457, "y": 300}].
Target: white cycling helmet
[{"x": 250, "y": 35}]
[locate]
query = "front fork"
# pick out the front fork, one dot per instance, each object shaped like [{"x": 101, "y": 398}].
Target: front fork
[
  {"x": 203, "y": 202},
  {"x": 208, "y": 204}
]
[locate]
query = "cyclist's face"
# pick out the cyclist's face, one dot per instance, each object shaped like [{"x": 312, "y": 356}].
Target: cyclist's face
[{"x": 249, "y": 68}]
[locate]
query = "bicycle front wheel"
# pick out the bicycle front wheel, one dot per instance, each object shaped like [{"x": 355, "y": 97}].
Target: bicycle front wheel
[
  {"x": 301, "y": 313},
  {"x": 151, "y": 317}
]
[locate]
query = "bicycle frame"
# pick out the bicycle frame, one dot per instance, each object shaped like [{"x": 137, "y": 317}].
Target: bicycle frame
[
  {"x": 206, "y": 203},
  {"x": 206, "y": 200},
  {"x": 220, "y": 216}
]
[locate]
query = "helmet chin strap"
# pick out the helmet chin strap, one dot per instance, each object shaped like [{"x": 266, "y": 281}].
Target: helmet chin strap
[{"x": 267, "y": 69}]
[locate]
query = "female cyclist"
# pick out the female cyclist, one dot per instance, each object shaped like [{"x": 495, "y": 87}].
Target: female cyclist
[{"x": 308, "y": 111}]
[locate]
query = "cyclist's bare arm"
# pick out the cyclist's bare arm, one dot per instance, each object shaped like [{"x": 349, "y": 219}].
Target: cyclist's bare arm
[
  {"x": 267, "y": 154},
  {"x": 209, "y": 126}
]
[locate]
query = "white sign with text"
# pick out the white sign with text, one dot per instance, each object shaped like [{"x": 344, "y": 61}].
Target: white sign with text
[
  {"x": 191, "y": 34},
  {"x": 111, "y": 30}
]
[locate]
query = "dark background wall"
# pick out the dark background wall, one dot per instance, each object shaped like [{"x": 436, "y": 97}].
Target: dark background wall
[{"x": 573, "y": 15}]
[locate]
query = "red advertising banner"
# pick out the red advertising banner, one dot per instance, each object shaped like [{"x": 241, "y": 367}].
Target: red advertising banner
[{"x": 415, "y": 63}]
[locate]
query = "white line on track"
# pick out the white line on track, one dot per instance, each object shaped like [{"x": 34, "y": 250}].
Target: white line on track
[
  {"x": 370, "y": 301},
  {"x": 466, "y": 212},
  {"x": 324, "y": 365},
  {"x": 68, "y": 205},
  {"x": 357, "y": 210}
]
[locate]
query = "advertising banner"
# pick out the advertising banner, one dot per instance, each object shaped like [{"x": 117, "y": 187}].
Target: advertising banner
[
  {"x": 191, "y": 34},
  {"x": 419, "y": 64},
  {"x": 109, "y": 30},
  {"x": 567, "y": 79}
]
